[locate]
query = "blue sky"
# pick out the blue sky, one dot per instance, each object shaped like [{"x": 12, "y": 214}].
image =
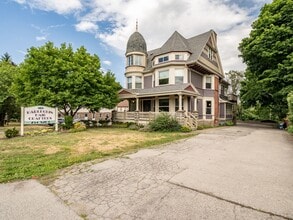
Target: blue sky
[{"x": 103, "y": 26}]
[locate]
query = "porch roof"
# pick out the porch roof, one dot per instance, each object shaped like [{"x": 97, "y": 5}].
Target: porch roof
[{"x": 175, "y": 89}]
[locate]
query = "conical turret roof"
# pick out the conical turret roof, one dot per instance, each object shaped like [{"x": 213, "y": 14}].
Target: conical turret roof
[{"x": 136, "y": 43}]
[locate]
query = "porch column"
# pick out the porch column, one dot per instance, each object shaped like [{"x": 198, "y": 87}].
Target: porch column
[
  {"x": 156, "y": 104},
  {"x": 195, "y": 104},
  {"x": 137, "y": 104},
  {"x": 180, "y": 103}
]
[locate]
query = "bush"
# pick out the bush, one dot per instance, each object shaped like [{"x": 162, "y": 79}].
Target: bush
[
  {"x": 185, "y": 129},
  {"x": 10, "y": 133},
  {"x": 164, "y": 122},
  {"x": 290, "y": 129},
  {"x": 78, "y": 126},
  {"x": 229, "y": 123},
  {"x": 290, "y": 107},
  {"x": 68, "y": 120}
]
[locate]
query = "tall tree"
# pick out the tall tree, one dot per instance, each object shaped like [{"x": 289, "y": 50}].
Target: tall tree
[
  {"x": 7, "y": 102},
  {"x": 7, "y": 58},
  {"x": 235, "y": 78},
  {"x": 64, "y": 78},
  {"x": 268, "y": 53}
]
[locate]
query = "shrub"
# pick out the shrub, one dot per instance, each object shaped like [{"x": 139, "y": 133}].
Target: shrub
[
  {"x": 290, "y": 129},
  {"x": 290, "y": 107},
  {"x": 164, "y": 122},
  {"x": 185, "y": 129},
  {"x": 78, "y": 126},
  {"x": 10, "y": 133},
  {"x": 229, "y": 123},
  {"x": 68, "y": 120}
]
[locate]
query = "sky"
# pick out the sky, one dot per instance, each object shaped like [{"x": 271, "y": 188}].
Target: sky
[{"x": 104, "y": 26}]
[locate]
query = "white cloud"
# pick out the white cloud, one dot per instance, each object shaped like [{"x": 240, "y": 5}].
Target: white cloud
[
  {"x": 86, "y": 26},
  {"x": 41, "y": 38},
  {"x": 58, "y": 6},
  {"x": 158, "y": 19},
  {"x": 20, "y": 1},
  {"x": 107, "y": 62},
  {"x": 22, "y": 52}
]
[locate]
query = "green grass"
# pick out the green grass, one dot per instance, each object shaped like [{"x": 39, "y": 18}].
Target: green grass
[{"x": 36, "y": 156}]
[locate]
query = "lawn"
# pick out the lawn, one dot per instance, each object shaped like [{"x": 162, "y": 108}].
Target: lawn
[{"x": 36, "y": 156}]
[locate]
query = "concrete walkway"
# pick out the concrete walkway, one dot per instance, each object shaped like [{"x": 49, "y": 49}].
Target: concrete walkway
[{"x": 241, "y": 172}]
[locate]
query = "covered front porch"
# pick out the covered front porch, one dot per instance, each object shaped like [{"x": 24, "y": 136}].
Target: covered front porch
[{"x": 145, "y": 105}]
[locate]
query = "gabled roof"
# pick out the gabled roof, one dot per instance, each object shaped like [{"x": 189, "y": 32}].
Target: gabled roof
[
  {"x": 194, "y": 45},
  {"x": 197, "y": 44}
]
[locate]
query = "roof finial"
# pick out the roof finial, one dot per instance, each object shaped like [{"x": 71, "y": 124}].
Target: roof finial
[{"x": 136, "y": 26}]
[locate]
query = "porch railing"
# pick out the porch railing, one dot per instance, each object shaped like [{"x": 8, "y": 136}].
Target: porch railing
[{"x": 187, "y": 119}]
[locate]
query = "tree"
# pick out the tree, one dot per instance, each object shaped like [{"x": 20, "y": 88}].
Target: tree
[
  {"x": 234, "y": 78},
  {"x": 64, "y": 78},
  {"x": 7, "y": 58},
  {"x": 7, "y": 101},
  {"x": 268, "y": 53}
]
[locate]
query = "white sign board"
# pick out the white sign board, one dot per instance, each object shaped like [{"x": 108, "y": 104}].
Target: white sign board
[{"x": 39, "y": 115}]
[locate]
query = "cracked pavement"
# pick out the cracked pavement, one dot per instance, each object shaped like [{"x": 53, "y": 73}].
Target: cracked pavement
[{"x": 240, "y": 172}]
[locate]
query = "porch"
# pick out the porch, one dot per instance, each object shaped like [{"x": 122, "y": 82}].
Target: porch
[{"x": 184, "y": 118}]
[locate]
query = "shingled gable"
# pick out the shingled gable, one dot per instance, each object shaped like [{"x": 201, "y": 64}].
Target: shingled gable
[
  {"x": 197, "y": 44},
  {"x": 175, "y": 43}
]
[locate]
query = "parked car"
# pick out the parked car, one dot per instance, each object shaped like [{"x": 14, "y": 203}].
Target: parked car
[{"x": 60, "y": 121}]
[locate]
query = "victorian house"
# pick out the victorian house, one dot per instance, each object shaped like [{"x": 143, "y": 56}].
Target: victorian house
[{"x": 183, "y": 77}]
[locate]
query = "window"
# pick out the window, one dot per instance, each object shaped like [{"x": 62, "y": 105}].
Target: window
[
  {"x": 164, "y": 105},
  {"x": 208, "y": 82},
  {"x": 129, "y": 82},
  {"x": 137, "y": 60},
  {"x": 138, "y": 82},
  {"x": 179, "y": 75},
  {"x": 223, "y": 90},
  {"x": 163, "y": 59},
  {"x": 179, "y": 57},
  {"x": 208, "y": 107},
  {"x": 210, "y": 53},
  {"x": 164, "y": 77},
  {"x": 130, "y": 60},
  {"x": 134, "y": 60}
]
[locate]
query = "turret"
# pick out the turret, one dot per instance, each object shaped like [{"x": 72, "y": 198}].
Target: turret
[{"x": 136, "y": 55}]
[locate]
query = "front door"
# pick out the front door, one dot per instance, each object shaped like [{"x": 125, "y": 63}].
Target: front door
[{"x": 146, "y": 105}]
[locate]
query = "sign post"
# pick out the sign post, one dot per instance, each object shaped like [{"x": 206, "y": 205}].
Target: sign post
[
  {"x": 22, "y": 121},
  {"x": 56, "y": 119}
]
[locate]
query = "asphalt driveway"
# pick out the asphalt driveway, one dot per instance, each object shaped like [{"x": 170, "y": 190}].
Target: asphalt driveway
[{"x": 240, "y": 172}]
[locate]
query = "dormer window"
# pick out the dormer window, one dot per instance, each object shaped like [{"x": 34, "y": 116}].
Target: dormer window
[{"x": 163, "y": 59}]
